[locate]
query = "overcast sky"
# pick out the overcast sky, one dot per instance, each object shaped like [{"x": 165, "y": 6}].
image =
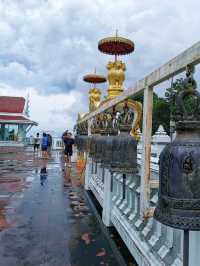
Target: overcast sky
[{"x": 47, "y": 46}]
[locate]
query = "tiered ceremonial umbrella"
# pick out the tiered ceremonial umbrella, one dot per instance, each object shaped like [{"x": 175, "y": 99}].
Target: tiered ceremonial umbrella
[
  {"x": 116, "y": 70},
  {"x": 95, "y": 93},
  {"x": 94, "y": 78},
  {"x": 116, "y": 46}
]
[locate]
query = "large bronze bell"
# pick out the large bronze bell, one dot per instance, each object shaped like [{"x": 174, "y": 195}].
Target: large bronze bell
[
  {"x": 81, "y": 143},
  {"x": 124, "y": 146},
  {"x": 77, "y": 141},
  {"x": 109, "y": 133},
  {"x": 99, "y": 145},
  {"x": 107, "y": 152},
  {"x": 124, "y": 153},
  {"x": 179, "y": 189},
  {"x": 100, "y": 128},
  {"x": 85, "y": 143},
  {"x": 92, "y": 146}
]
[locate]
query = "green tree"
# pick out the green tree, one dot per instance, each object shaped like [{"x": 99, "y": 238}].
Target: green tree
[
  {"x": 161, "y": 112},
  {"x": 170, "y": 94}
]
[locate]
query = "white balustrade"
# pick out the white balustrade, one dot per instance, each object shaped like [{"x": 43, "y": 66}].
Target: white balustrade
[{"x": 150, "y": 242}]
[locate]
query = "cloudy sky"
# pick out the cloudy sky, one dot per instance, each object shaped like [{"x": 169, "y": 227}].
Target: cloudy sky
[{"x": 46, "y": 46}]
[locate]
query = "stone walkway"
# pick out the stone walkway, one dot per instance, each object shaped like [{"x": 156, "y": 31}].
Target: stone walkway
[{"x": 43, "y": 222}]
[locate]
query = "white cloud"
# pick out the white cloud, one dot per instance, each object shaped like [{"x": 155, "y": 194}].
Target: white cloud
[
  {"x": 55, "y": 112},
  {"x": 49, "y": 45}
]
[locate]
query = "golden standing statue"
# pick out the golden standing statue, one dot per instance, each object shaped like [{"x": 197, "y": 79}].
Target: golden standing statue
[
  {"x": 116, "y": 70},
  {"x": 116, "y": 77},
  {"x": 94, "y": 99},
  {"x": 94, "y": 93}
]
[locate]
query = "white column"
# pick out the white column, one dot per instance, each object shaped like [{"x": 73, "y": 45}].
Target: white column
[
  {"x": 107, "y": 203},
  {"x": 194, "y": 254},
  {"x": 88, "y": 172},
  {"x": 21, "y": 133},
  {"x": 88, "y": 168},
  {"x": 146, "y": 150}
]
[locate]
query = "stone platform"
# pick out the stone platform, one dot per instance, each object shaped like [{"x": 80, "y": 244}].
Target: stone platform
[{"x": 45, "y": 219}]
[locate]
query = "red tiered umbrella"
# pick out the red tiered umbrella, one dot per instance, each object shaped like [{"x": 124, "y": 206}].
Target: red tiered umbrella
[
  {"x": 116, "y": 46},
  {"x": 94, "y": 78}
]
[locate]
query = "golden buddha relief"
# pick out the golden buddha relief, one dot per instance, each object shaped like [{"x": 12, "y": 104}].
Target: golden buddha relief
[{"x": 94, "y": 99}]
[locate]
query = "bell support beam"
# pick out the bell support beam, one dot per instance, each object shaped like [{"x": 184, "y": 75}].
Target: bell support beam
[{"x": 146, "y": 151}]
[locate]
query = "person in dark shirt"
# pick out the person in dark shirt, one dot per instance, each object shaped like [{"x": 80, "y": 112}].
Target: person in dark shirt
[
  {"x": 49, "y": 143},
  {"x": 68, "y": 147},
  {"x": 44, "y": 146}
]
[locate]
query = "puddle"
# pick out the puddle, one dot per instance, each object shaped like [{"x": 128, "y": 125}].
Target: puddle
[
  {"x": 30, "y": 179},
  {"x": 3, "y": 221}
]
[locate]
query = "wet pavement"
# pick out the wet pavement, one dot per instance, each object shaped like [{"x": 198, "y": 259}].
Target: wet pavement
[{"x": 45, "y": 219}]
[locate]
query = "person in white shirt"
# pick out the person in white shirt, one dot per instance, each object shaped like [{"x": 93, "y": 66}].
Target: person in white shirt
[{"x": 36, "y": 145}]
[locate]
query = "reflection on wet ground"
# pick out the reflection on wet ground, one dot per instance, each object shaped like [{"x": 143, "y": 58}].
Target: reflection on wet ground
[{"x": 45, "y": 218}]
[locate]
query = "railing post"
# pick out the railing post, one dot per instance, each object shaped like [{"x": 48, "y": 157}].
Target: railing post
[
  {"x": 107, "y": 201},
  {"x": 88, "y": 161},
  {"x": 89, "y": 126},
  {"x": 146, "y": 151}
]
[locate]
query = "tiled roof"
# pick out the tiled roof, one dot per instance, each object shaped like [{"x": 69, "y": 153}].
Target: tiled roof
[
  {"x": 11, "y": 104},
  {"x": 16, "y": 119}
]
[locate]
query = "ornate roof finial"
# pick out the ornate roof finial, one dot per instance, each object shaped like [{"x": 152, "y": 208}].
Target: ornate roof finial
[
  {"x": 187, "y": 103},
  {"x": 27, "y": 105}
]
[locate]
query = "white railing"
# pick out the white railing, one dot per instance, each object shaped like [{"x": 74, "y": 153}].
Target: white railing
[
  {"x": 149, "y": 242},
  {"x": 170, "y": 69}
]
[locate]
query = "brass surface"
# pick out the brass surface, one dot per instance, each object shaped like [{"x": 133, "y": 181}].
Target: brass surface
[
  {"x": 116, "y": 77},
  {"x": 137, "y": 109},
  {"x": 94, "y": 99},
  {"x": 80, "y": 116},
  {"x": 116, "y": 45},
  {"x": 94, "y": 78}
]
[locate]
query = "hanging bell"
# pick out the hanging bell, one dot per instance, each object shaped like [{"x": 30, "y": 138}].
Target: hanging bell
[
  {"x": 107, "y": 152},
  {"x": 76, "y": 140},
  {"x": 92, "y": 146},
  {"x": 101, "y": 139},
  {"x": 124, "y": 146},
  {"x": 95, "y": 129},
  {"x": 84, "y": 143},
  {"x": 179, "y": 172},
  {"x": 98, "y": 148},
  {"x": 81, "y": 142},
  {"x": 110, "y": 132}
]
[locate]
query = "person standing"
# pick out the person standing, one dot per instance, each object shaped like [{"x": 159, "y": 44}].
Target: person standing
[
  {"x": 43, "y": 172},
  {"x": 44, "y": 146},
  {"x": 68, "y": 150},
  {"x": 49, "y": 143},
  {"x": 36, "y": 144}
]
